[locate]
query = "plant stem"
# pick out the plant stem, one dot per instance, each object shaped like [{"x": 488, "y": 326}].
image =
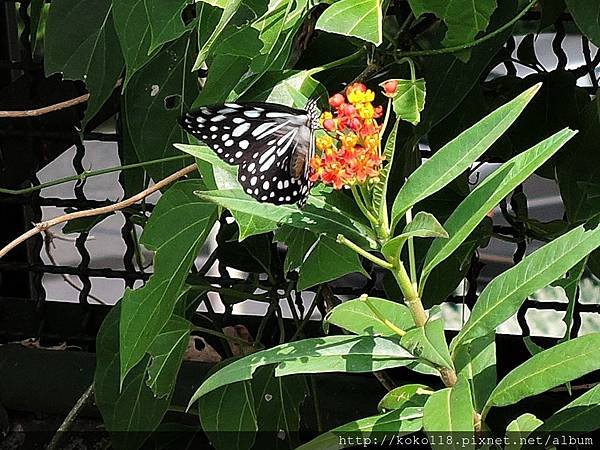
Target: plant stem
[
  {"x": 223, "y": 336},
  {"x": 461, "y": 47},
  {"x": 381, "y": 317},
  {"x": 64, "y": 427},
  {"x": 411, "y": 253},
  {"x": 87, "y": 174},
  {"x": 341, "y": 239},
  {"x": 411, "y": 295},
  {"x": 363, "y": 207},
  {"x": 337, "y": 62}
]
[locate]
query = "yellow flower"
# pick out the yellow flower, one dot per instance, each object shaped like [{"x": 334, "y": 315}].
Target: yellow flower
[
  {"x": 356, "y": 96},
  {"x": 324, "y": 142},
  {"x": 349, "y": 140}
]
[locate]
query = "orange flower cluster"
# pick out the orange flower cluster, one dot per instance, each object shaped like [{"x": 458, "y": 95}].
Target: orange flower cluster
[{"x": 349, "y": 152}]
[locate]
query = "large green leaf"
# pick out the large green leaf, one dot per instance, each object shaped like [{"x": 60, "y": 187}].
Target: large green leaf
[
  {"x": 487, "y": 195},
  {"x": 312, "y": 217},
  {"x": 586, "y": 14},
  {"x": 298, "y": 242},
  {"x": 166, "y": 352},
  {"x": 580, "y": 415},
  {"x": 428, "y": 342},
  {"x": 152, "y": 126},
  {"x": 356, "y": 316},
  {"x": 328, "y": 261},
  {"x": 504, "y": 295},
  {"x": 464, "y": 19},
  {"x": 219, "y": 407},
  {"x": 545, "y": 370},
  {"x": 407, "y": 396},
  {"x": 398, "y": 423},
  {"x": 130, "y": 409},
  {"x": 359, "y": 18},
  {"x": 410, "y": 100},
  {"x": 133, "y": 28},
  {"x": 81, "y": 43},
  {"x": 423, "y": 225},
  {"x": 456, "y": 156},
  {"x": 326, "y": 354},
  {"x": 176, "y": 230},
  {"x": 166, "y": 23},
  {"x": 229, "y": 10},
  {"x": 449, "y": 410}
]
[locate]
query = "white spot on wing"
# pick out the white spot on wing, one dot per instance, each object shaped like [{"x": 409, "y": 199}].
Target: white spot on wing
[
  {"x": 240, "y": 129},
  {"x": 217, "y": 118}
]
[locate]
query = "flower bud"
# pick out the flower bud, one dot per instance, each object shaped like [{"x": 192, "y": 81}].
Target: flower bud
[
  {"x": 336, "y": 100},
  {"x": 329, "y": 124},
  {"x": 390, "y": 88}
]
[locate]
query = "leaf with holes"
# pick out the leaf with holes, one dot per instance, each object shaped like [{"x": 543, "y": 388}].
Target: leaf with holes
[
  {"x": 166, "y": 21},
  {"x": 176, "y": 230},
  {"x": 88, "y": 51}
]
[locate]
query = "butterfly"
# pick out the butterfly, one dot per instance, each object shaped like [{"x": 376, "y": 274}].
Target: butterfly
[{"x": 271, "y": 144}]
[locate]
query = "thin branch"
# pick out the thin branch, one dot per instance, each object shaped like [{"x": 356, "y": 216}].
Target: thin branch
[
  {"x": 46, "y": 109},
  {"x": 64, "y": 427},
  {"x": 42, "y": 226}
]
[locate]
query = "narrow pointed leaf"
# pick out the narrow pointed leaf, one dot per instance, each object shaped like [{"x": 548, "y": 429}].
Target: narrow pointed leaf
[
  {"x": 580, "y": 415},
  {"x": 520, "y": 428},
  {"x": 381, "y": 187},
  {"x": 472, "y": 210},
  {"x": 506, "y": 293},
  {"x": 457, "y": 156},
  {"x": 333, "y": 353},
  {"x": 545, "y": 370}
]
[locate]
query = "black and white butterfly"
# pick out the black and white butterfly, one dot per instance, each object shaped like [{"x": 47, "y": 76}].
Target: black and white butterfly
[{"x": 271, "y": 144}]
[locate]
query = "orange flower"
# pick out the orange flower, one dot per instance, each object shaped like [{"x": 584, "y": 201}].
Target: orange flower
[{"x": 350, "y": 150}]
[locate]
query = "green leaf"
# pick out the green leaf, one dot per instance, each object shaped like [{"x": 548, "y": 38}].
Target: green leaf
[
  {"x": 328, "y": 261},
  {"x": 167, "y": 351},
  {"x": 545, "y": 370},
  {"x": 217, "y": 410},
  {"x": 423, "y": 225},
  {"x": 487, "y": 195},
  {"x": 476, "y": 362},
  {"x": 449, "y": 410},
  {"x": 410, "y": 100},
  {"x": 133, "y": 29},
  {"x": 81, "y": 43},
  {"x": 83, "y": 224},
  {"x": 359, "y": 18},
  {"x": 457, "y": 156},
  {"x": 166, "y": 23},
  {"x": 381, "y": 187},
  {"x": 312, "y": 217},
  {"x": 229, "y": 10},
  {"x": 356, "y": 316},
  {"x": 428, "y": 343},
  {"x": 132, "y": 412},
  {"x": 327, "y": 354},
  {"x": 298, "y": 242},
  {"x": 464, "y": 19},
  {"x": 586, "y": 13},
  {"x": 409, "y": 395},
  {"x": 505, "y": 294},
  {"x": 520, "y": 428},
  {"x": 398, "y": 422},
  {"x": 36, "y": 11},
  {"x": 580, "y": 415},
  {"x": 153, "y": 128},
  {"x": 176, "y": 230}
]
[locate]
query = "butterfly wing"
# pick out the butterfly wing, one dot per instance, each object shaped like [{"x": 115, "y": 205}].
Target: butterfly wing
[{"x": 270, "y": 143}]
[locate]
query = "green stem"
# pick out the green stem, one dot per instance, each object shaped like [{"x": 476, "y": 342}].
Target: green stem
[
  {"x": 88, "y": 174},
  {"x": 381, "y": 317},
  {"x": 223, "y": 336},
  {"x": 411, "y": 252},
  {"x": 341, "y": 239},
  {"x": 337, "y": 62},
  {"x": 363, "y": 207},
  {"x": 411, "y": 295},
  {"x": 487, "y": 37}
]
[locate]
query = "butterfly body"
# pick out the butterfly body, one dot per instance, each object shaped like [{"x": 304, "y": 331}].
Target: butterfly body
[{"x": 271, "y": 144}]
